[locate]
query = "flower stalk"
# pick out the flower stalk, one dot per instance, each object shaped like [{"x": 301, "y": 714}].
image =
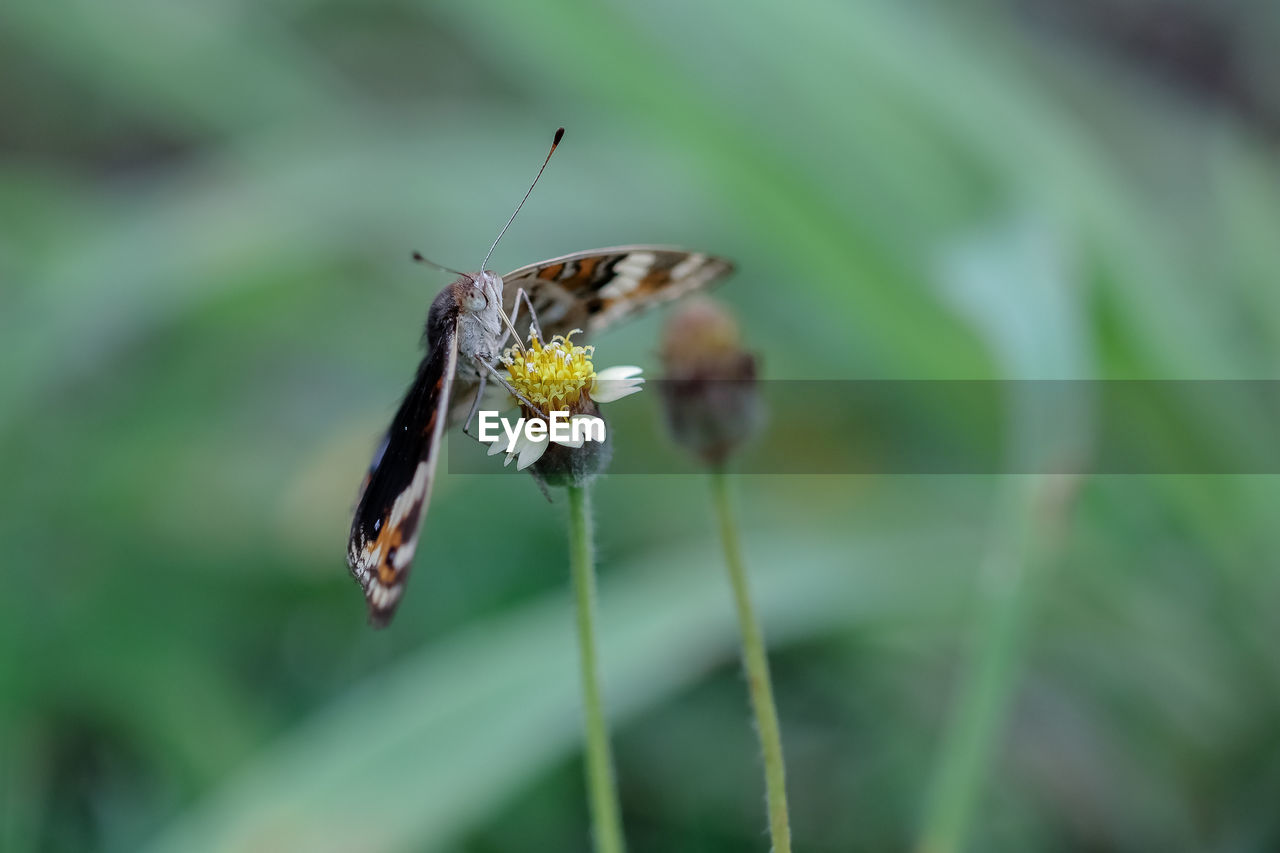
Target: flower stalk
[
  {"x": 559, "y": 377},
  {"x": 602, "y": 791},
  {"x": 712, "y": 407},
  {"x": 756, "y": 664}
]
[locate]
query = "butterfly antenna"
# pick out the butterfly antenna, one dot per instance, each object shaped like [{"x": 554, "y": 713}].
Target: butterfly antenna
[
  {"x": 554, "y": 142},
  {"x": 417, "y": 256}
]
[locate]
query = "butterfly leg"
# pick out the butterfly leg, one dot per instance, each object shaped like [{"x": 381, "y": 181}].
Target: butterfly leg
[
  {"x": 502, "y": 380},
  {"x": 475, "y": 406},
  {"x": 521, "y": 293}
]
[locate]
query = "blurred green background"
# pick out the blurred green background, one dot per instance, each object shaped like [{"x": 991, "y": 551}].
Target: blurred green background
[{"x": 208, "y": 313}]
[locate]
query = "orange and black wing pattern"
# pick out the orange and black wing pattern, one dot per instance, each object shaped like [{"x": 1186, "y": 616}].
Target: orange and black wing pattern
[
  {"x": 594, "y": 289},
  {"x": 395, "y": 493}
]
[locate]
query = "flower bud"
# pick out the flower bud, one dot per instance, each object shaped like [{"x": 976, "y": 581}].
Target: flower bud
[{"x": 710, "y": 397}]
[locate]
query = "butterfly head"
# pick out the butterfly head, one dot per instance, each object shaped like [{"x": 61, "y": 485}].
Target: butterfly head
[
  {"x": 471, "y": 307},
  {"x": 479, "y": 292}
]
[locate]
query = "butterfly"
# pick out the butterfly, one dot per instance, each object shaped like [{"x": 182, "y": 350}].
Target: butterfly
[{"x": 467, "y": 326}]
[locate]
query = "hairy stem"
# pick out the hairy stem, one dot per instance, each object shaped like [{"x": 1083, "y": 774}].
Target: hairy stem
[
  {"x": 756, "y": 665},
  {"x": 602, "y": 789}
]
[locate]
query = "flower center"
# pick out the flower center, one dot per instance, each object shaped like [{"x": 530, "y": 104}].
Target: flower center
[{"x": 554, "y": 375}]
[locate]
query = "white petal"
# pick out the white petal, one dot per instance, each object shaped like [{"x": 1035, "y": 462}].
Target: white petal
[
  {"x": 622, "y": 371},
  {"x": 607, "y": 392},
  {"x": 498, "y": 445},
  {"x": 531, "y": 453},
  {"x": 515, "y": 448},
  {"x": 583, "y": 433}
]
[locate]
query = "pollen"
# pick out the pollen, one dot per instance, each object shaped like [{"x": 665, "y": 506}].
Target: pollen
[{"x": 555, "y": 375}]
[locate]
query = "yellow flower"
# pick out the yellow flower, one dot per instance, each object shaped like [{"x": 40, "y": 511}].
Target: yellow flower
[
  {"x": 558, "y": 376},
  {"x": 555, "y": 375}
]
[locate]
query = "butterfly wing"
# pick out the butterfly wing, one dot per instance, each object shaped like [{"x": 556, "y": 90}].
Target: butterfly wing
[
  {"x": 594, "y": 289},
  {"x": 394, "y": 496}
]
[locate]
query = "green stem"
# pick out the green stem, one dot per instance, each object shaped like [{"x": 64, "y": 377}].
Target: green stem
[
  {"x": 757, "y": 666},
  {"x": 602, "y": 789}
]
